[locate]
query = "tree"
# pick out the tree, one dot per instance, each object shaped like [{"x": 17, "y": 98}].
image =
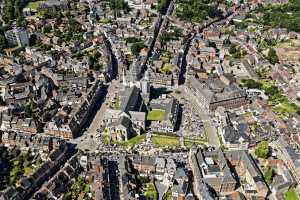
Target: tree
[
  {"x": 250, "y": 83},
  {"x": 18, "y": 8},
  {"x": 232, "y": 49},
  {"x": 262, "y": 150},
  {"x": 21, "y": 21},
  {"x": 137, "y": 47},
  {"x": 163, "y": 6},
  {"x": 97, "y": 66},
  {"x": 46, "y": 29},
  {"x": 214, "y": 12},
  {"x": 268, "y": 174},
  {"x": 118, "y": 5},
  {"x": 2, "y": 42},
  {"x": 272, "y": 56},
  {"x": 12, "y": 10},
  {"x": 9, "y": 11},
  {"x": 94, "y": 61},
  {"x": 29, "y": 110}
]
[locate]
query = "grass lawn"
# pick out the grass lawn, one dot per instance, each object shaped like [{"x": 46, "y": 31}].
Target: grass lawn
[
  {"x": 156, "y": 115},
  {"x": 188, "y": 142},
  {"x": 116, "y": 105},
  {"x": 168, "y": 195},
  {"x": 277, "y": 100},
  {"x": 150, "y": 191},
  {"x": 104, "y": 21},
  {"x": 163, "y": 140},
  {"x": 27, "y": 170},
  {"x": 285, "y": 107},
  {"x": 129, "y": 143},
  {"x": 106, "y": 139},
  {"x": 135, "y": 140},
  {"x": 291, "y": 194},
  {"x": 166, "y": 69},
  {"x": 34, "y": 5}
]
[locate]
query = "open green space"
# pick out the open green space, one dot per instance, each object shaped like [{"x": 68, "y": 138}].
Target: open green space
[
  {"x": 133, "y": 141},
  {"x": 28, "y": 170},
  {"x": 168, "y": 195},
  {"x": 196, "y": 11},
  {"x": 237, "y": 51},
  {"x": 150, "y": 191},
  {"x": 116, "y": 104},
  {"x": 164, "y": 140},
  {"x": 279, "y": 102},
  {"x": 129, "y": 143},
  {"x": 291, "y": 194},
  {"x": 157, "y": 139},
  {"x": 280, "y": 16},
  {"x": 34, "y": 5},
  {"x": 189, "y": 142},
  {"x": 156, "y": 115},
  {"x": 268, "y": 175},
  {"x": 104, "y": 21},
  {"x": 78, "y": 190},
  {"x": 19, "y": 165},
  {"x": 166, "y": 69}
]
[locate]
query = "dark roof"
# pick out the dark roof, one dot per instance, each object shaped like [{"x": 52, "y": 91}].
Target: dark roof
[
  {"x": 231, "y": 135},
  {"x": 131, "y": 100}
]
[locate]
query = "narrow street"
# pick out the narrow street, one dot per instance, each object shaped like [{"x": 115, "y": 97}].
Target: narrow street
[{"x": 89, "y": 140}]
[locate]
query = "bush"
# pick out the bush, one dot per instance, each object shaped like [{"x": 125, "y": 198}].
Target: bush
[
  {"x": 137, "y": 47},
  {"x": 162, "y": 6},
  {"x": 194, "y": 10},
  {"x": 268, "y": 174},
  {"x": 250, "y": 83},
  {"x": 262, "y": 150},
  {"x": 276, "y": 16},
  {"x": 272, "y": 56}
]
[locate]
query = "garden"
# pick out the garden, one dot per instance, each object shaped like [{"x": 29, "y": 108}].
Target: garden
[
  {"x": 279, "y": 102},
  {"x": 156, "y": 115}
]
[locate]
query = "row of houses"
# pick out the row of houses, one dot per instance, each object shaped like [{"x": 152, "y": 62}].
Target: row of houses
[
  {"x": 26, "y": 187},
  {"x": 31, "y": 141},
  {"x": 68, "y": 122}
]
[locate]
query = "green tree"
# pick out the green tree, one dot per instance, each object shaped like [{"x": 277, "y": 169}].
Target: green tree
[
  {"x": 46, "y": 29},
  {"x": 21, "y": 21},
  {"x": 9, "y": 11},
  {"x": 272, "y": 56},
  {"x": 227, "y": 42},
  {"x": 94, "y": 61},
  {"x": 163, "y": 6},
  {"x": 29, "y": 110},
  {"x": 2, "y": 42},
  {"x": 250, "y": 83},
  {"x": 268, "y": 174},
  {"x": 18, "y": 8},
  {"x": 262, "y": 150},
  {"x": 232, "y": 49},
  {"x": 137, "y": 47},
  {"x": 12, "y": 10},
  {"x": 117, "y": 6},
  {"x": 97, "y": 66}
]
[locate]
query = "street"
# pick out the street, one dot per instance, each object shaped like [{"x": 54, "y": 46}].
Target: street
[
  {"x": 209, "y": 128},
  {"x": 89, "y": 140}
]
